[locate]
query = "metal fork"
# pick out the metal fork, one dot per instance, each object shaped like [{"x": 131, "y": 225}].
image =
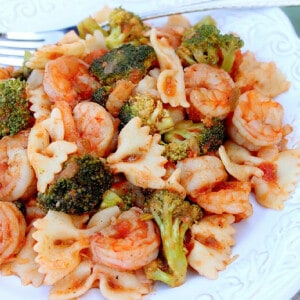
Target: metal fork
[{"x": 14, "y": 44}]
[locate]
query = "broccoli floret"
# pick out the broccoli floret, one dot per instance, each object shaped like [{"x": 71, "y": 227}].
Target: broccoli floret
[
  {"x": 199, "y": 45},
  {"x": 123, "y": 194},
  {"x": 174, "y": 216},
  {"x": 126, "y": 62},
  {"x": 14, "y": 107},
  {"x": 88, "y": 26},
  {"x": 177, "y": 150},
  {"x": 204, "y": 43},
  {"x": 209, "y": 137},
  {"x": 101, "y": 94},
  {"x": 150, "y": 110},
  {"x": 229, "y": 44},
  {"x": 23, "y": 72},
  {"x": 79, "y": 191},
  {"x": 125, "y": 27}
]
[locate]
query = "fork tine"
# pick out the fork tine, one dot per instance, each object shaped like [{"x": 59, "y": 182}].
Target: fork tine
[
  {"x": 14, "y": 44},
  {"x": 18, "y": 44},
  {"x": 6, "y": 61}
]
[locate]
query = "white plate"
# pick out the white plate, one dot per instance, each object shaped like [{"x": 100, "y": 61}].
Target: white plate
[{"x": 268, "y": 243}]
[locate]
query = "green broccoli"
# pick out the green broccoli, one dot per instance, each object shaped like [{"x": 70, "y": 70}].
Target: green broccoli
[
  {"x": 88, "y": 26},
  {"x": 178, "y": 150},
  {"x": 150, "y": 110},
  {"x": 123, "y": 194},
  {"x": 209, "y": 137},
  {"x": 101, "y": 94},
  {"x": 200, "y": 45},
  {"x": 125, "y": 27},
  {"x": 229, "y": 44},
  {"x": 204, "y": 43},
  {"x": 15, "y": 114},
  {"x": 174, "y": 216},
  {"x": 80, "y": 191},
  {"x": 23, "y": 72},
  {"x": 126, "y": 62}
]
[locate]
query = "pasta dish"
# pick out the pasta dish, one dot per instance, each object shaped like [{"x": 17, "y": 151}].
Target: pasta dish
[{"x": 128, "y": 153}]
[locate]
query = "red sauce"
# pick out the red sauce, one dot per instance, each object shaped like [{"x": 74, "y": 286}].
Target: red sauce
[
  {"x": 270, "y": 172},
  {"x": 170, "y": 87}
]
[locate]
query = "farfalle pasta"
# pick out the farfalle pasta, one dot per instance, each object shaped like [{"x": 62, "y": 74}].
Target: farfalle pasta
[{"x": 98, "y": 194}]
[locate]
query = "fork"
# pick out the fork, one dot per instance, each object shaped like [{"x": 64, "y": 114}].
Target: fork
[{"x": 14, "y": 44}]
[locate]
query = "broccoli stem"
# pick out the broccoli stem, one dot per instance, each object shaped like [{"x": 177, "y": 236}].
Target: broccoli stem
[{"x": 172, "y": 235}]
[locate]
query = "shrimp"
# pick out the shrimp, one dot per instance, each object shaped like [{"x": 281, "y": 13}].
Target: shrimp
[
  {"x": 209, "y": 90},
  {"x": 201, "y": 174},
  {"x": 264, "y": 77},
  {"x": 96, "y": 127},
  {"x": 118, "y": 96},
  {"x": 67, "y": 78},
  {"x": 12, "y": 231},
  {"x": 17, "y": 178},
  {"x": 256, "y": 121},
  {"x": 232, "y": 197},
  {"x": 6, "y": 73},
  {"x": 128, "y": 243}
]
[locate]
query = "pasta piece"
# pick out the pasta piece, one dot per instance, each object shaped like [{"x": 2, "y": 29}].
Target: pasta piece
[
  {"x": 75, "y": 284},
  {"x": 70, "y": 44},
  {"x": 264, "y": 77},
  {"x": 58, "y": 245},
  {"x": 279, "y": 180},
  {"x": 121, "y": 285},
  {"x": 24, "y": 266},
  {"x": 240, "y": 172},
  {"x": 173, "y": 184},
  {"x": 201, "y": 174},
  {"x": 213, "y": 239},
  {"x": 40, "y": 102},
  {"x": 12, "y": 231},
  {"x": 47, "y": 157},
  {"x": 139, "y": 156},
  {"x": 147, "y": 86},
  {"x": 170, "y": 82},
  {"x": 61, "y": 237}
]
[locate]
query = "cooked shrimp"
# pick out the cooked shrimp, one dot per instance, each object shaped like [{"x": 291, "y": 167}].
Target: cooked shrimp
[
  {"x": 232, "y": 197},
  {"x": 6, "y": 73},
  {"x": 96, "y": 127},
  {"x": 209, "y": 90},
  {"x": 67, "y": 78},
  {"x": 264, "y": 77},
  {"x": 201, "y": 174},
  {"x": 12, "y": 231},
  {"x": 256, "y": 121},
  {"x": 17, "y": 177},
  {"x": 118, "y": 96},
  {"x": 128, "y": 243}
]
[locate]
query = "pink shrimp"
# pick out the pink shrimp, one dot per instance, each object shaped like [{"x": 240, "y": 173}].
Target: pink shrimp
[
  {"x": 209, "y": 90},
  {"x": 67, "y": 78},
  {"x": 128, "y": 243}
]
